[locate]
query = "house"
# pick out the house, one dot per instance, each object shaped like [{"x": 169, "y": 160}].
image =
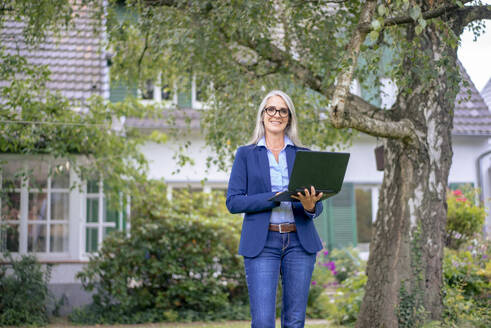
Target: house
[
  {"x": 63, "y": 226},
  {"x": 44, "y": 216},
  {"x": 348, "y": 217}
]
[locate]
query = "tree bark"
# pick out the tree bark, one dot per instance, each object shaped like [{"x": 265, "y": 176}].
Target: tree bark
[{"x": 405, "y": 262}]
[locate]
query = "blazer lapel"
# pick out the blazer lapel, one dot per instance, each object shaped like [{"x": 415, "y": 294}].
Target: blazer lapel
[
  {"x": 290, "y": 158},
  {"x": 264, "y": 167}
]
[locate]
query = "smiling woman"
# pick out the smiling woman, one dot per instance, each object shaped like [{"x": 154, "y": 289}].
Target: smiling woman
[{"x": 278, "y": 238}]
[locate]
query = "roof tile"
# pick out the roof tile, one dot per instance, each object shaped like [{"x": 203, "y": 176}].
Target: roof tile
[
  {"x": 72, "y": 56},
  {"x": 471, "y": 114}
]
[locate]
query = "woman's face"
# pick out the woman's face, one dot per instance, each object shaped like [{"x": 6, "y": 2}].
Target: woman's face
[{"x": 276, "y": 123}]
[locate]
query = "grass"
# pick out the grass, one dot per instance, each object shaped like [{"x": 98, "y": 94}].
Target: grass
[{"x": 60, "y": 322}]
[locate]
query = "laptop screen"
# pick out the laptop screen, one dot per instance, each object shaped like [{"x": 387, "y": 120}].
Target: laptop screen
[{"x": 323, "y": 170}]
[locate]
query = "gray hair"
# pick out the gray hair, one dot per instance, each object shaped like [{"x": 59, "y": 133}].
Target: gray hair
[{"x": 291, "y": 128}]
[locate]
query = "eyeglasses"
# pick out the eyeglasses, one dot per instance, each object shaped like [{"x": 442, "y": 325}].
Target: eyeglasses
[{"x": 271, "y": 111}]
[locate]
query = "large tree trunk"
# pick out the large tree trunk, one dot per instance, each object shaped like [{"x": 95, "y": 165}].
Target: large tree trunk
[{"x": 405, "y": 263}]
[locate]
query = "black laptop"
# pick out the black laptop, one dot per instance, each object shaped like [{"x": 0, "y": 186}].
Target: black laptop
[{"x": 323, "y": 170}]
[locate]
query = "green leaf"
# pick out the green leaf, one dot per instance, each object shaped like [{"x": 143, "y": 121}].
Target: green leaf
[
  {"x": 376, "y": 25},
  {"x": 418, "y": 29},
  {"x": 381, "y": 10},
  {"x": 158, "y": 137},
  {"x": 415, "y": 12},
  {"x": 422, "y": 22},
  {"x": 373, "y": 35}
]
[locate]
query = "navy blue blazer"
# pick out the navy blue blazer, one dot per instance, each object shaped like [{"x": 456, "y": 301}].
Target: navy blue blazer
[{"x": 249, "y": 189}]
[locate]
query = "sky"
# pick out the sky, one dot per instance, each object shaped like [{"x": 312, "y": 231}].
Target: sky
[{"x": 476, "y": 56}]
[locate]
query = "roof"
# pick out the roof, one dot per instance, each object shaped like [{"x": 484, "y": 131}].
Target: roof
[
  {"x": 78, "y": 66},
  {"x": 486, "y": 93},
  {"x": 471, "y": 116}
]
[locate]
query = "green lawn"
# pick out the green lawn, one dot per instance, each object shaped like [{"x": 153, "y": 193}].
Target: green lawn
[{"x": 59, "y": 323}]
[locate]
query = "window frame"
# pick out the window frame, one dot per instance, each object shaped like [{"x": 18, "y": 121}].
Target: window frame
[
  {"x": 157, "y": 95},
  {"x": 77, "y": 208},
  {"x": 101, "y": 224},
  {"x": 25, "y": 191}
]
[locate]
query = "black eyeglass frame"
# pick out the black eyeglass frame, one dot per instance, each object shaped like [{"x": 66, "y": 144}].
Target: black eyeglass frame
[{"x": 277, "y": 111}]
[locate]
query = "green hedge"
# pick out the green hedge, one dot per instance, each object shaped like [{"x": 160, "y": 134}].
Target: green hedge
[
  {"x": 24, "y": 295},
  {"x": 179, "y": 263}
]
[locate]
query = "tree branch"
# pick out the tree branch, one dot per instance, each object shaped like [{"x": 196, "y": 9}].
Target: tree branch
[
  {"x": 145, "y": 47},
  {"x": 400, "y": 20},
  {"x": 280, "y": 57},
  {"x": 337, "y": 112},
  {"x": 473, "y": 13},
  {"x": 362, "y": 106},
  {"x": 361, "y": 115},
  {"x": 403, "y": 129},
  {"x": 319, "y": 2}
]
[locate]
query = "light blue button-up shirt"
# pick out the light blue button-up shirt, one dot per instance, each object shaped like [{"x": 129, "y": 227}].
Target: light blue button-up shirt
[{"x": 278, "y": 171}]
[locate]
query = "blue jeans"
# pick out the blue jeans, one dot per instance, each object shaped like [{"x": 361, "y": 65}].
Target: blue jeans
[{"x": 282, "y": 254}]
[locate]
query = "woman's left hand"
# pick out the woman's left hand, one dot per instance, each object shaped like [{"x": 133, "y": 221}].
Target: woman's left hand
[{"x": 308, "y": 200}]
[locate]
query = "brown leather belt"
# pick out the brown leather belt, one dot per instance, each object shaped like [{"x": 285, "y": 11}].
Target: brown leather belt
[{"x": 283, "y": 228}]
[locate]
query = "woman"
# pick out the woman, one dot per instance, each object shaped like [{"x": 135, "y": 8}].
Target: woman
[{"x": 277, "y": 238}]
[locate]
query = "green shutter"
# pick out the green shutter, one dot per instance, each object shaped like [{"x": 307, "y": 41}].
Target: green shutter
[
  {"x": 341, "y": 218},
  {"x": 184, "y": 88},
  {"x": 118, "y": 92},
  {"x": 321, "y": 224}
]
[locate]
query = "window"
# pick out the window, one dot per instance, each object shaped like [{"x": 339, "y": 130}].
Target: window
[
  {"x": 186, "y": 93},
  {"x": 199, "y": 87},
  {"x": 10, "y": 210},
  {"x": 156, "y": 91},
  {"x": 41, "y": 207},
  {"x": 35, "y": 207},
  {"x": 102, "y": 217},
  {"x": 166, "y": 92},
  {"x": 148, "y": 90}
]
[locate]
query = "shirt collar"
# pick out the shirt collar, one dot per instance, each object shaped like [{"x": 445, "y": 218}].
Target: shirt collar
[{"x": 262, "y": 142}]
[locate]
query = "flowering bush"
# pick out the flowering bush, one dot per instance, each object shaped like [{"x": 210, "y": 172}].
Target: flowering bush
[
  {"x": 337, "y": 286},
  {"x": 344, "y": 262},
  {"x": 467, "y": 290},
  {"x": 464, "y": 216},
  {"x": 322, "y": 280}
]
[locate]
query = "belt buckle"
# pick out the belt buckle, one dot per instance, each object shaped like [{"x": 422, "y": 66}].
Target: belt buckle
[{"x": 281, "y": 230}]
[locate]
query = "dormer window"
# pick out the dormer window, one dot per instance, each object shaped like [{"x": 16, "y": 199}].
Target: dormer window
[{"x": 185, "y": 94}]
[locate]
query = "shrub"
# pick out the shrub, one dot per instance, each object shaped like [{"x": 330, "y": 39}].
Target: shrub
[
  {"x": 464, "y": 217},
  {"x": 347, "y": 262},
  {"x": 24, "y": 292},
  {"x": 337, "y": 286},
  {"x": 322, "y": 280},
  {"x": 467, "y": 280},
  {"x": 344, "y": 307},
  {"x": 469, "y": 269},
  {"x": 180, "y": 263}
]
